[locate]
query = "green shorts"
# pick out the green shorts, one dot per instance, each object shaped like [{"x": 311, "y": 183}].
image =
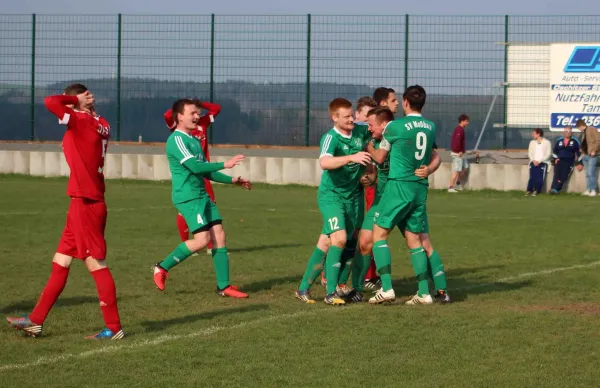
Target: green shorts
[
  {"x": 342, "y": 216},
  {"x": 369, "y": 217},
  {"x": 403, "y": 205},
  {"x": 199, "y": 213}
]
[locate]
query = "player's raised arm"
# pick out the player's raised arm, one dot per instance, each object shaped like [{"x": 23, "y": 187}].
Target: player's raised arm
[
  {"x": 62, "y": 105},
  {"x": 169, "y": 119}
]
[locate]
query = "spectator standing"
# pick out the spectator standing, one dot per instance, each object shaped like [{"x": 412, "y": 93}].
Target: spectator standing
[
  {"x": 566, "y": 152},
  {"x": 590, "y": 147},
  {"x": 540, "y": 153},
  {"x": 459, "y": 159}
]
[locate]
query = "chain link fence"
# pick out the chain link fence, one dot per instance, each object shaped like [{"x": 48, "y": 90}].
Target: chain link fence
[{"x": 273, "y": 75}]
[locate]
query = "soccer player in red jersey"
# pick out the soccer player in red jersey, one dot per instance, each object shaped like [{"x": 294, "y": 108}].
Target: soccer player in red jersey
[
  {"x": 201, "y": 133},
  {"x": 84, "y": 145}
]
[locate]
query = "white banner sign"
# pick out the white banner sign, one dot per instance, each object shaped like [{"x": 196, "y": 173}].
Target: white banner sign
[{"x": 574, "y": 85}]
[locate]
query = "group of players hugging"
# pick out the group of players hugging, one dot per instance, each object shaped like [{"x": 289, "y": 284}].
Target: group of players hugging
[{"x": 368, "y": 154}]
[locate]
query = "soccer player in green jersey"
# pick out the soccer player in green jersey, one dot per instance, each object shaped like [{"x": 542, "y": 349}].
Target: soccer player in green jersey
[
  {"x": 189, "y": 167},
  {"x": 409, "y": 142},
  {"x": 340, "y": 196},
  {"x": 378, "y": 120}
]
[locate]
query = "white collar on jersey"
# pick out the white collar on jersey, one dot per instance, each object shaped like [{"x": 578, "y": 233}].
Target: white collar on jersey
[
  {"x": 414, "y": 114},
  {"x": 341, "y": 134},
  {"x": 187, "y": 134}
]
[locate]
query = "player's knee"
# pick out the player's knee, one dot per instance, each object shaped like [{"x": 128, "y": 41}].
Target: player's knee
[
  {"x": 199, "y": 241},
  {"x": 324, "y": 243},
  {"x": 94, "y": 264},
  {"x": 413, "y": 240},
  {"x": 426, "y": 242},
  {"x": 339, "y": 239},
  {"x": 62, "y": 260}
]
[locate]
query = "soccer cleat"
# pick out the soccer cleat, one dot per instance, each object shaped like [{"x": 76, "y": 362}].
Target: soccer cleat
[
  {"x": 416, "y": 299},
  {"x": 304, "y": 296},
  {"x": 342, "y": 290},
  {"x": 334, "y": 299},
  {"x": 383, "y": 297},
  {"x": 108, "y": 334},
  {"x": 452, "y": 190},
  {"x": 354, "y": 297},
  {"x": 442, "y": 297},
  {"x": 232, "y": 292},
  {"x": 372, "y": 284},
  {"x": 160, "y": 277},
  {"x": 24, "y": 324}
]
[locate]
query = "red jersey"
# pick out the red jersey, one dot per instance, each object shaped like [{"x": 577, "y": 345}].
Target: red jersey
[
  {"x": 205, "y": 121},
  {"x": 457, "y": 144},
  {"x": 84, "y": 145}
]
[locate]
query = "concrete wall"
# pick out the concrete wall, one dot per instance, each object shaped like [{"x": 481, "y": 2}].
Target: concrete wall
[{"x": 264, "y": 169}]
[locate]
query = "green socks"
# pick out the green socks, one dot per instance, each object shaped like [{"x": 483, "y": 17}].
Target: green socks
[
  {"x": 437, "y": 271},
  {"x": 383, "y": 260},
  {"x": 347, "y": 256},
  {"x": 177, "y": 256},
  {"x": 360, "y": 266},
  {"x": 418, "y": 258},
  {"x": 313, "y": 269},
  {"x": 333, "y": 263},
  {"x": 221, "y": 261}
]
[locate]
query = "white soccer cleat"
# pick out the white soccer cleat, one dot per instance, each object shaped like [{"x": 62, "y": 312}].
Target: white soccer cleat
[
  {"x": 416, "y": 299},
  {"x": 452, "y": 190},
  {"x": 383, "y": 297}
]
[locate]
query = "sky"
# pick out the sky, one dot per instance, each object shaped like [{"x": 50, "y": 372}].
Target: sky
[{"x": 329, "y": 7}]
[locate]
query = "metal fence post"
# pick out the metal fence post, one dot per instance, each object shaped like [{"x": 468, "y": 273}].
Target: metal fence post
[
  {"x": 32, "y": 90},
  {"x": 212, "y": 71},
  {"x": 307, "y": 103},
  {"x": 119, "y": 47},
  {"x": 406, "y": 52},
  {"x": 504, "y": 130}
]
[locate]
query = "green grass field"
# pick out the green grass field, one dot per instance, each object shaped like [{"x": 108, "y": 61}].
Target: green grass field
[{"x": 524, "y": 273}]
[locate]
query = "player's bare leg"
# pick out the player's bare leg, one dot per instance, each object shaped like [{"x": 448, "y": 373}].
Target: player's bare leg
[
  {"x": 361, "y": 265},
  {"x": 347, "y": 265},
  {"x": 332, "y": 266},
  {"x": 383, "y": 259},
  {"x": 418, "y": 258},
  {"x": 221, "y": 262},
  {"x": 31, "y": 324},
  {"x": 107, "y": 295},
  {"x": 184, "y": 250}
]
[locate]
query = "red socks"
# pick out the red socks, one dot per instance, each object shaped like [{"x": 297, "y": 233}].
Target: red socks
[
  {"x": 54, "y": 287},
  {"x": 108, "y": 298},
  {"x": 183, "y": 228}
]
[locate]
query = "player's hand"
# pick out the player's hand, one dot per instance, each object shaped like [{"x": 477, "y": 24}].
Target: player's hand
[
  {"x": 86, "y": 99},
  {"x": 245, "y": 183},
  {"x": 536, "y": 163},
  {"x": 362, "y": 157},
  {"x": 579, "y": 167},
  {"x": 556, "y": 161},
  {"x": 422, "y": 172},
  {"x": 235, "y": 161},
  {"x": 460, "y": 154}
]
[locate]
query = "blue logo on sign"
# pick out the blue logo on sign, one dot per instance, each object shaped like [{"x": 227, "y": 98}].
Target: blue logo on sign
[{"x": 584, "y": 59}]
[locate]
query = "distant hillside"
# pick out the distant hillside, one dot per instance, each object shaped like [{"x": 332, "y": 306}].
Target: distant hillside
[{"x": 269, "y": 114}]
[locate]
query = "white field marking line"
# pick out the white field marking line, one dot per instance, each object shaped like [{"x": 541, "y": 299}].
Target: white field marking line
[
  {"x": 155, "y": 341},
  {"x": 214, "y": 329},
  {"x": 531, "y": 274}
]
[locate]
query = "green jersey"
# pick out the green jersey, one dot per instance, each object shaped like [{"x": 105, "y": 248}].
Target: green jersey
[
  {"x": 185, "y": 184},
  {"x": 410, "y": 141},
  {"x": 343, "y": 184},
  {"x": 383, "y": 170}
]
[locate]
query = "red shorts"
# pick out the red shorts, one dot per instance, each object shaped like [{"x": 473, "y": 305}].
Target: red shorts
[
  {"x": 83, "y": 235},
  {"x": 370, "y": 195}
]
